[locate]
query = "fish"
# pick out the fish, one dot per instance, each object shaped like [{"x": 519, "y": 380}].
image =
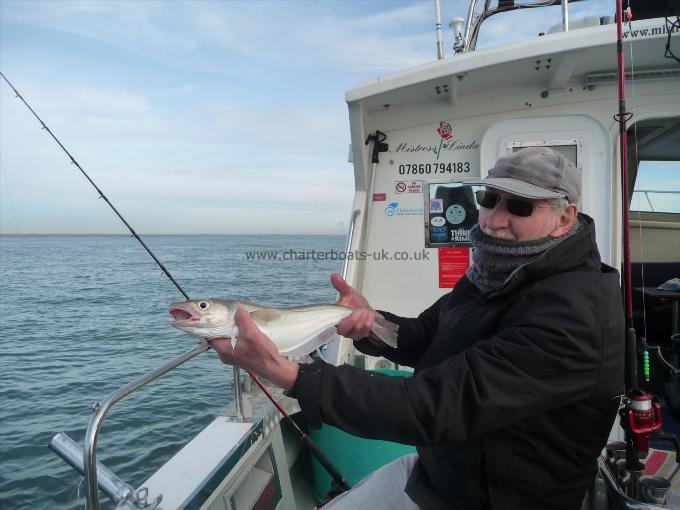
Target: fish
[{"x": 295, "y": 331}]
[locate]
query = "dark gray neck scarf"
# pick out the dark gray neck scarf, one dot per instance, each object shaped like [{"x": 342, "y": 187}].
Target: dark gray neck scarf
[{"x": 494, "y": 260}]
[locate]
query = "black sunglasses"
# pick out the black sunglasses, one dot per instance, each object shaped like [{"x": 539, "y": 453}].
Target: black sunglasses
[{"x": 515, "y": 206}]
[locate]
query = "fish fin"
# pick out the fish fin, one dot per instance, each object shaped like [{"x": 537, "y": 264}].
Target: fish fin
[
  {"x": 313, "y": 308},
  {"x": 233, "y": 338},
  {"x": 386, "y": 331},
  {"x": 265, "y": 315},
  {"x": 323, "y": 337}
]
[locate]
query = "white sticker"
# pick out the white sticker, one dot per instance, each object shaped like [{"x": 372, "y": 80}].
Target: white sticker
[
  {"x": 455, "y": 214},
  {"x": 438, "y": 221},
  {"x": 393, "y": 209},
  {"x": 408, "y": 186}
]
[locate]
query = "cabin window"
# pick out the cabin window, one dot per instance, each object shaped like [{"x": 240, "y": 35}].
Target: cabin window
[
  {"x": 654, "y": 195},
  {"x": 657, "y": 187},
  {"x": 570, "y": 149},
  {"x": 451, "y": 213}
]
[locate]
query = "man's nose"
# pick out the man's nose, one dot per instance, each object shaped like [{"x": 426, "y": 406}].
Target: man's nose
[{"x": 498, "y": 217}]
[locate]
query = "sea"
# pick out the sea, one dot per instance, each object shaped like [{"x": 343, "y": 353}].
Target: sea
[{"x": 83, "y": 315}]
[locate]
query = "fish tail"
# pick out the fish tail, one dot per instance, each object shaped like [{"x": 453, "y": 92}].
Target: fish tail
[{"x": 385, "y": 331}]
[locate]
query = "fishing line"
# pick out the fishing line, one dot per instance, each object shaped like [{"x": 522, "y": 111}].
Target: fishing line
[
  {"x": 338, "y": 479},
  {"x": 645, "y": 359},
  {"x": 9, "y": 196},
  {"x": 101, "y": 193}
]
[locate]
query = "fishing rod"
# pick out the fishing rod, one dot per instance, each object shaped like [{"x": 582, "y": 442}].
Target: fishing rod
[
  {"x": 101, "y": 193},
  {"x": 339, "y": 482},
  {"x": 641, "y": 417},
  {"x": 622, "y": 117}
]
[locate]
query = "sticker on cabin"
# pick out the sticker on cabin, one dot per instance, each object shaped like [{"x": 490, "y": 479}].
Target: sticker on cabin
[
  {"x": 438, "y": 221},
  {"x": 436, "y": 206},
  {"x": 439, "y": 234},
  {"x": 455, "y": 214},
  {"x": 379, "y": 197},
  {"x": 408, "y": 187},
  {"x": 453, "y": 263},
  {"x": 460, "y": 236},
  {"x": 393, "y": 209}
]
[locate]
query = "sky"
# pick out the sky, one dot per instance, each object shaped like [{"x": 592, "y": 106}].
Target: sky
[{"x": 202, "y": 117}]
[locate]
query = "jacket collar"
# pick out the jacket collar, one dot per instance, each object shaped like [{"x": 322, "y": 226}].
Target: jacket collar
[{"x": 576, "y": 252}]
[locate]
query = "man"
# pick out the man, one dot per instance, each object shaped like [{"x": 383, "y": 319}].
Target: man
[{"x": 517, "y": 370}]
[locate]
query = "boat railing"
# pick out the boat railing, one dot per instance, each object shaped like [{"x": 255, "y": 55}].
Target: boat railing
[
  {"x": 475, "y": 20},
  {"x": 85, "y": 461},
  {"x": 350, "y": 239},
  {"x": 647, "y": 192}
]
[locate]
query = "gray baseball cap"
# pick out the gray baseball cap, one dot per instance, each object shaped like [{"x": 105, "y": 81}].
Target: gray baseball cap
[{"x": 534, "y": 172}]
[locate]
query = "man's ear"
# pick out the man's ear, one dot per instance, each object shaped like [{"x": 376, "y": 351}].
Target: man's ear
[{"x": 565, "y": 221}]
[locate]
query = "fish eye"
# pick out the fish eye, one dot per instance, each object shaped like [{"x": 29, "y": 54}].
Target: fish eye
[{"x": 203, "y": 305}]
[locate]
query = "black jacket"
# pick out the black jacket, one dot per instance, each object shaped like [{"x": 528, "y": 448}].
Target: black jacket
[{"x": 514, "y": 393}]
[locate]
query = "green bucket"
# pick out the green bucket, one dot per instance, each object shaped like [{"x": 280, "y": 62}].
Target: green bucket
[{"x": 353, "y": 456}]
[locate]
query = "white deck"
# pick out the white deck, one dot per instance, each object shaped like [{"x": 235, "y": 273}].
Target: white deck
[{"x": 181, "y": 477}]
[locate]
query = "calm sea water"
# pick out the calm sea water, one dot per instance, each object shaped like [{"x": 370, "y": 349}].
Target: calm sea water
[{"x": 81, "y": 316}]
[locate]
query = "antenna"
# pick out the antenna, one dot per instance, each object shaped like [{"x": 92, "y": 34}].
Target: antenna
[{"x": 438, "y": 30}]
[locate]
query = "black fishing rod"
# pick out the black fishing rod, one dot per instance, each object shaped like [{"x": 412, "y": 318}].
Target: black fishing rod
[
  {"x": 101, "y": 193},
  {"x": 339, "y": 482}
]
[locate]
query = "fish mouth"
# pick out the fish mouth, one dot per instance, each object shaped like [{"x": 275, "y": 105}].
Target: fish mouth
[{"x": 182, "y": 314}]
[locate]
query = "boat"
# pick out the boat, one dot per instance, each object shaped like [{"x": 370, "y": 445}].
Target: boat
[{"x": 414, "y": 134}]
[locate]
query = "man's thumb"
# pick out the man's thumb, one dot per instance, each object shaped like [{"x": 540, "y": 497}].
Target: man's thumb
[
  {"x": 340, "y": 284},
  {"x": 243, "y": 319}
]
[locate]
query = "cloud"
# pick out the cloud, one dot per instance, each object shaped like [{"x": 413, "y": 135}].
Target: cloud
[
  {"x": 217, "y": 158},
  {"x": 264, "y": 31},
  {"x": 527, "y": 23},
  {"x": 184, "y": 111},
  {"x": 133, "y": 25}
]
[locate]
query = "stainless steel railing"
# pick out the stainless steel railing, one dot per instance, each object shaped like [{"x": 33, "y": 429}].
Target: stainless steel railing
[
  {"x": 96, "y": 475},
  {"x": 350, "y": 237},
  {"x": 646, "y": 193}
]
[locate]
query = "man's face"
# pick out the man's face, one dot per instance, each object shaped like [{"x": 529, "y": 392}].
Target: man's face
[{"x": 544, "y": 221}]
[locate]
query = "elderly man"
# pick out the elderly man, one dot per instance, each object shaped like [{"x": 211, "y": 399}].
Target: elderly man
[{"x": 517, "y": 370}]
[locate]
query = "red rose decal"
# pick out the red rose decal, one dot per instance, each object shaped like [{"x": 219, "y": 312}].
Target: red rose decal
[{"x": 445, "y": 130}]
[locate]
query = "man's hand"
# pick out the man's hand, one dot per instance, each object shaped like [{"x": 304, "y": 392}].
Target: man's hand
[
  {"x": 358, "y": 324},
  {"x": 255, "y": 352}
]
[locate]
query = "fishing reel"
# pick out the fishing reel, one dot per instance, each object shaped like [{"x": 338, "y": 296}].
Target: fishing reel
[{"x": 640, "y": 418}]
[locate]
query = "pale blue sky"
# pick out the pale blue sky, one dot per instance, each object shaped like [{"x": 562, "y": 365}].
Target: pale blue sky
[{"x": 202, "y": 116}]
